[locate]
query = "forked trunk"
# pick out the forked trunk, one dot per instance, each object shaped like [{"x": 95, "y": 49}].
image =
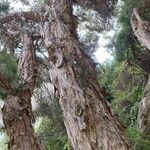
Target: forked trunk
[
  {"x": 17, "y": 110},
  {"x": 89, "y": 121}
]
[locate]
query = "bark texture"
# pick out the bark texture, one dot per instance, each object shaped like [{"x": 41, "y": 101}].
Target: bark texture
[
  {"x": 90, "y": 123},
  {"x": 144, "y": 111},
  {"x": 17, "y": 110},
  {"x": 141, "y": 30},
  {"x": 18, "y": 119}
]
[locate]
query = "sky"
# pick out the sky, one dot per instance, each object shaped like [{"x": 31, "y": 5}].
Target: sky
[
  {"x": 101, "y": 53},
  {"x": 17, "y": 5}
]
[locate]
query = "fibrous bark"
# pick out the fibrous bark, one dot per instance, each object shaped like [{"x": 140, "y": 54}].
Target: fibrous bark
[
  {"x": 90, "y": 122},
  {"x": 17, "y": 109}
]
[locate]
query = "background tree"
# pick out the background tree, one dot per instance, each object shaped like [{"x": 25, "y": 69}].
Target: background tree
[{"x": 130, "y": 57}]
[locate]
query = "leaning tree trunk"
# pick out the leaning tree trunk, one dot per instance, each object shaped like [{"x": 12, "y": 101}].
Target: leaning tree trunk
[
  {"x": 143, "y": 118},
  {"x": 141, "y": 30},
  {"x": 89, "y": 121},
  {"x": 17, "y": 110}
]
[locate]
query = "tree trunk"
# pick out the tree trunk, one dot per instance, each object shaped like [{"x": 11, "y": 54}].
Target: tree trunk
[
  {"x": 18, "y": 119},
  {"x": 17, "y": 109},
  {"x": 141, "y": 30},
  {"x": 90, "y": 123},
  {"x": 144, "y": 111}
]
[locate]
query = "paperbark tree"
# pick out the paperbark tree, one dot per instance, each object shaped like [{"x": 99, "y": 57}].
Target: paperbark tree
[
  {"x": 17, "y": 109},
  {"x": 89, "y": 121}
]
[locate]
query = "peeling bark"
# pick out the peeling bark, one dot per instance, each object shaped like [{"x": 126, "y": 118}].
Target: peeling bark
[
  {"x": 17, "y": 109},
  {"x": 90, "y": 122}
]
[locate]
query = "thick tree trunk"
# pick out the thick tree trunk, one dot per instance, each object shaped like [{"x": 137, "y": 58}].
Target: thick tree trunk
[
  {"x": 17, "y": 110},
  {"x": 89, "y": 121}
]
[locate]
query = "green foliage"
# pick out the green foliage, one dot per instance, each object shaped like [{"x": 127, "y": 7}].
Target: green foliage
[
  {"x": 67, "y": 146},
  {"x": 140, "y": 141},
  {"x": 52, "y": 135},
  {"x": 51, "y": 131},
  {"x": 3, "y": 141},
  {"x": 126, "y": 85},
  {"x": 3, "y": 94},
  {"x": 8, "y": 65},
  {"x": 122, "y": 39}
]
